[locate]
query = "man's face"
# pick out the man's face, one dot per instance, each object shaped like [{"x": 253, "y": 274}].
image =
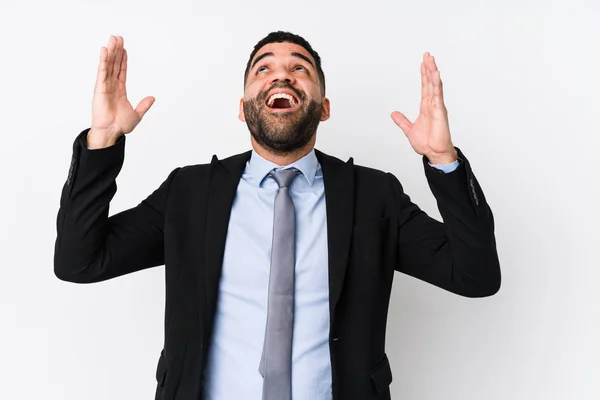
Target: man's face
[{"x": 283, "y": 103}]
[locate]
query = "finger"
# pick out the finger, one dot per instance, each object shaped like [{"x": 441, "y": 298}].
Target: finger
[
  {"x": 436, "y": 84},
  {"x": 425, "y": 79},
  {"x": 123, "y": 71},
  {"x": 402, "y": 122},
  {"x": 433, "y": 65},
  {"x": 112, "y": 44},
  {"x": 438, "y": 91},
  {"x": 102, "y": 66},
  {"x": 118, "y": 56},
  {"x": 144, "y": 105},
  {"x": 429, "y": 69}
]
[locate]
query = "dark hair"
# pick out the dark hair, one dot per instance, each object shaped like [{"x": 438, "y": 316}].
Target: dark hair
[{"x": 280, "y": 37}]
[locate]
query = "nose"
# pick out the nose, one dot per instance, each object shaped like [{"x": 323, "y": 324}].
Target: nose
[{"x": 282, "y": 74}]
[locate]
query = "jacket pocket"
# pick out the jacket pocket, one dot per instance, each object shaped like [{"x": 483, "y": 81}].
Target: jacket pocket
[{"x": 381, "y": 376}]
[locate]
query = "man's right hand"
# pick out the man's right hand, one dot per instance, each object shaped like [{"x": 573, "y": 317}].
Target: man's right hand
[{"x": 112, "y": 114}]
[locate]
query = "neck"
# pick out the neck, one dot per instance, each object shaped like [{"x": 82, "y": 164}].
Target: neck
[{"x": 282, "y": 159}]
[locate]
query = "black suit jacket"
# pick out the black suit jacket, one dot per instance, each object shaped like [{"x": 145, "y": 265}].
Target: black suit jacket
[{"x": 373, "y": 230}]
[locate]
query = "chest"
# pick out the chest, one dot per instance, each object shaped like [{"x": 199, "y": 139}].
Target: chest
[{"x": 248, "y": 245}]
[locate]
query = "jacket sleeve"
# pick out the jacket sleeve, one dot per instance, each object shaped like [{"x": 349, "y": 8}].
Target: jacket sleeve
[
  {"x": 90, "y": 246},
  {"x": 460, "y": 254}
]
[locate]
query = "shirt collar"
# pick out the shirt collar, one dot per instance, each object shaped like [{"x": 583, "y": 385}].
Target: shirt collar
[{"x": 259, "y": 167}]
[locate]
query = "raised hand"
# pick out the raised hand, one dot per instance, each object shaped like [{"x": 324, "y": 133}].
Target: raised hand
[
  {"x": 429, "y": 135},
  {"x": 112, "y": 114}
]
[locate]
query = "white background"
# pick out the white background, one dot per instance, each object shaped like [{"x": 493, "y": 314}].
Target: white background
[{"x": 521, "y": 83}]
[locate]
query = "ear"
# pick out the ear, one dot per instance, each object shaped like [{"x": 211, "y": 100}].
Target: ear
[
  {"x": 325, "y": 109},
  {"x": 241, "y": 115}
]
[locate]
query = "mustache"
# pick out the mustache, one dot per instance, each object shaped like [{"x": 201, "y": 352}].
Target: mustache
[{"x": 282, "y": 85}]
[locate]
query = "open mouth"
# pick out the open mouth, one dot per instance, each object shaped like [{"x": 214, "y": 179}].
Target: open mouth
[{"x": 282, "y": 102}]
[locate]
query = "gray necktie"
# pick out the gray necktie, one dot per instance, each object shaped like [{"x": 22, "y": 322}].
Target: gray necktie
[{"x": 276, "y": 360}]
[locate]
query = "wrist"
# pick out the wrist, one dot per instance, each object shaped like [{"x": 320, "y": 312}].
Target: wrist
[
  {"x": 443, "y": 158},
  {"x": 99, "y": 139}
]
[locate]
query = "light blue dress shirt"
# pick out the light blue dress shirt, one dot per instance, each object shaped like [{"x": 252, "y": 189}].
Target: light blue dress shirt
[{"x": 241, "y": 313}]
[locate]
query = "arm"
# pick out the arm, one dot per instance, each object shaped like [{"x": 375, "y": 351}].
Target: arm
[
  {"x": 460, "y": 254},
  {"x": 90, "y": 247}
]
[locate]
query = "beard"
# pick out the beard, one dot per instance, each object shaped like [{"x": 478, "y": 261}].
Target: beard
[{"x": 282, "y": 133}]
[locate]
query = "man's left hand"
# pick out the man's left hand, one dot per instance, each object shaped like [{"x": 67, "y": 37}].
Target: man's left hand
[{"x": 429, "y": 135}]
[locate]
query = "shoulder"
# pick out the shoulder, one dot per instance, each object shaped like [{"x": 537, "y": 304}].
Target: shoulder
[
  {"x": 360, "y": 171},
  {"x": 200, "y": 172}
]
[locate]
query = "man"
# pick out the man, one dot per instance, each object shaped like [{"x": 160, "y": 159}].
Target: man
[{"x": 279, "y": 261}]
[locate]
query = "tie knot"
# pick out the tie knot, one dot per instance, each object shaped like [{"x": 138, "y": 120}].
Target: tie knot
[{"x": 284, "y": 177}]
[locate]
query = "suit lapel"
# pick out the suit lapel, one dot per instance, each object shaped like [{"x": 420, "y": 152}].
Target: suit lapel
[
  {"x": 224, "y": 179},
  {"x": 338, "y": 178}
]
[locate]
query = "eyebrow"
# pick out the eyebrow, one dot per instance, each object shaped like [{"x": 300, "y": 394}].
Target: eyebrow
[
  {"x": 302, "y": 56},
  {"x": 270, "y": 54}
]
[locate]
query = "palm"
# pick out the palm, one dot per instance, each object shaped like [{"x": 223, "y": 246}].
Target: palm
[
  {"x": 111, "y": 110},
  {"x": 429, "y": 135}
]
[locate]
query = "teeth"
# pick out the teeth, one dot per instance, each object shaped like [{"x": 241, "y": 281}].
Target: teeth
[{"x": 281, "y": 96}]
